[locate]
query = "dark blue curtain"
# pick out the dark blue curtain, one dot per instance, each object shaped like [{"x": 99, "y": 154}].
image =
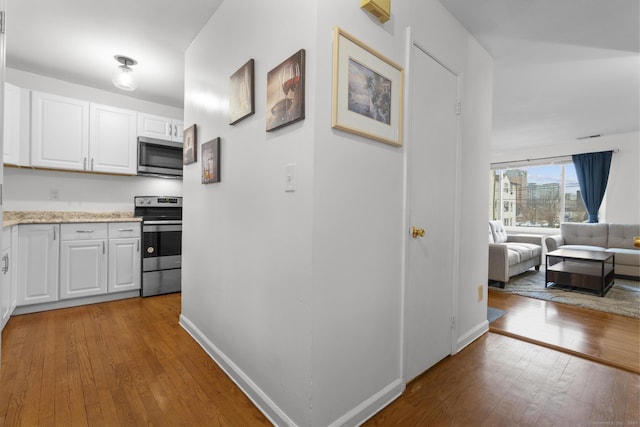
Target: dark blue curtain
[{"x": 593, "y": 173}]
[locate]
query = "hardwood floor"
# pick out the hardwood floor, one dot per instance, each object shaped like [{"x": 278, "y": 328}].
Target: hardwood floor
[
  {"x": 122, "y": 363},
  {"x": 501, "y": 381},
  {"x": 129, "y": 363},
  {"x": 602, "y": 337}
]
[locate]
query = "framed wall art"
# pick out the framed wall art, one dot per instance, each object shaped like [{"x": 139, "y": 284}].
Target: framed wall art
[
  {"x": 210, "y": 160},
  {"x": 189, "y": 146},
  {"x": 241, "y": 93},
  {"x": 367, "y": 91},
  {"x": 285, "y": 92}
]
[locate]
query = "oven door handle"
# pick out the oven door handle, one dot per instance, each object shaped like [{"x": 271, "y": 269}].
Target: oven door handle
[
  {"x": 161, "y": 228},
  {"x": 163, "y": 222}
]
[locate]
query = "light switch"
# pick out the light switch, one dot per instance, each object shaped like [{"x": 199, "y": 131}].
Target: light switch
[{"x": 290, "y": 177}]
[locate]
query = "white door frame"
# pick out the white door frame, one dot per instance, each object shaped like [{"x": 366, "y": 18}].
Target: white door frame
[{"x": 410, "y": 43}]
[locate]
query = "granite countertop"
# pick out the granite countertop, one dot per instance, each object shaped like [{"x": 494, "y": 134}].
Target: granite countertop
[{"x": 54, "y": 217}]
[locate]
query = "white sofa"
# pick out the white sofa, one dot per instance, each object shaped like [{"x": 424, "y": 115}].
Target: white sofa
[
  {"x": 616, "y": 238},
  {"x": 510, "y": 255}
]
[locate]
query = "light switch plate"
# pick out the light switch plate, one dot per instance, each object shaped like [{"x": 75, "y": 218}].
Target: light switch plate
[{"x": 290, "y": 177}]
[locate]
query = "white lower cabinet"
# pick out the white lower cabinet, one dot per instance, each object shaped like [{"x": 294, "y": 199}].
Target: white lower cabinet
[
  {"x": 83, "y": 260},
  {"x": 38, "y": 255},
  {"x": 124, "y": 256},
  {"x": 6, "y": 271},
  {"x": 57, "y": 263}
]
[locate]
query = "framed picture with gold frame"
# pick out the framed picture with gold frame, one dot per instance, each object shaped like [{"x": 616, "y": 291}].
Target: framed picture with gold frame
[{"x": 367, "y": 91}]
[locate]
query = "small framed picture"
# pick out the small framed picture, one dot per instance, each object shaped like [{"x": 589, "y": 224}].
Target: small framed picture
[
  {"x": 189, "y": 147},
  {"x": 367, "y": 91},
  {"x": 285, "y": 92},
  {"x": 210, "y": 161},
  {"x": 241, "y": 93}
]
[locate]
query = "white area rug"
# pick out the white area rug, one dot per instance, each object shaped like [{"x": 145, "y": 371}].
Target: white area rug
[{"x": 623, "y": 297}]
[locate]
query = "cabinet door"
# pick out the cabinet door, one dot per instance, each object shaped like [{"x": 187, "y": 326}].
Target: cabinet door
[
  {"x": 124, "y": 264},
  {"x": 13, "y": 266},
  {"x": 154, "y": 126},
  {"x": 112, "y": 140},
  {"x": 38, "y": 255},
  {"x": 83, "y": 268},
  {"x": 11, "y": 124},
  {"x": 160, "y": 127},
  {"x": 5, "y": 284},
  {"x": 177, "y": 131},
  {"x": 59, "y": 132}
]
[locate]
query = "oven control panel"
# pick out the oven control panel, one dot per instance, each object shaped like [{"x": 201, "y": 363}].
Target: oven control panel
[{"x": 158, "y": 201}]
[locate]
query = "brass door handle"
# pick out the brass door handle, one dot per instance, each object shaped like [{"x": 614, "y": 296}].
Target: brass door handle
[{"x": 417, "y": 232}]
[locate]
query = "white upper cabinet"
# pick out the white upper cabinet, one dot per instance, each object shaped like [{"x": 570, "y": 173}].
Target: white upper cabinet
[
  {"x": 12, "y": 116},
  {"x": 59, "y": 132},
  {"x": 67, "y": 133},
  {"x": 112, "y": 140},
  {"x": 160, "y": 127}
]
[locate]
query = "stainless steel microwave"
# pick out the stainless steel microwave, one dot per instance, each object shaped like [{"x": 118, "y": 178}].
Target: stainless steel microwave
[{"x": 157, "y": 157}]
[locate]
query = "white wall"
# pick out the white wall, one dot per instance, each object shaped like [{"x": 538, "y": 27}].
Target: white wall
[
  {"x": 621, "y": 203},
  {"x": 299, "y": 295},
  {"x": 247, "y": 243},
  {"x": 28, "y": 189},
  {"x": 63, "y": 88}
]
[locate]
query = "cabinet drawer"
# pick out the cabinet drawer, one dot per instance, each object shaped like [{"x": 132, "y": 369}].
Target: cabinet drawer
[
  {"x": 84, "y": 231},
  {"x": 120, "y": 230}
]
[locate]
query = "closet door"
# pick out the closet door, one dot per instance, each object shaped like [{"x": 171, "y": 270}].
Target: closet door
[{"x": 429, "y": 322}]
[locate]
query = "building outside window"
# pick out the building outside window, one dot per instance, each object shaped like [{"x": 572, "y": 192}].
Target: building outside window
[{"x": 540, "y": 195}]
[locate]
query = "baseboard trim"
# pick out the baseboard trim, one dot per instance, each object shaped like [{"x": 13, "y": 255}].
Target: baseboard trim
[
  {"x": 74, "y": 302},
  {"x": 371, "y": 406},
  {"x": 248, "y": 387},
  {"x": 472, "y": 335}
]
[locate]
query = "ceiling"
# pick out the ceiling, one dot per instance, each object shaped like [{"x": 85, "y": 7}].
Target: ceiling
[
  {"x": 563, "y": 69},
  {"x": 76, "y": 40}
]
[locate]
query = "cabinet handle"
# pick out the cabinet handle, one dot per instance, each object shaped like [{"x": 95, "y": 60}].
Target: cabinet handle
[
  {"x": 103, "y": 246},
  {"x": 92, "y": 163},
  {"x": 170, "y": 129},
  {"x": 5, "y": 267},
  {"x": 84, "y": 231},
  {"x": 54, "y": 232},
  {"x": 84, "y": 164},
  {"x": 175, "y": 130},
  {"x": 138, "y": 245},
  {"x": 125, "y": 229}
]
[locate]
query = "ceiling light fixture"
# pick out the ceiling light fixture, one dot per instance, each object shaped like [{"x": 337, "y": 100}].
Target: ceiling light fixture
[{"x": 123, "y": 78}]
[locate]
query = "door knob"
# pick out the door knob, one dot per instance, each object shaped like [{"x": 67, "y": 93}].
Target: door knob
[{"x": 417, "y": 232}]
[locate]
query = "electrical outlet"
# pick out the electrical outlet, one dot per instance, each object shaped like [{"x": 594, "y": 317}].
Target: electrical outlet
[
  {"x": 480, "y": 292},
  {"x": 54, "y": 195}
]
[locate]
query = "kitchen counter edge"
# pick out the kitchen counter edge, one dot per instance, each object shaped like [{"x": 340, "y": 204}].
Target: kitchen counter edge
[{"x": 57, "y": 217}]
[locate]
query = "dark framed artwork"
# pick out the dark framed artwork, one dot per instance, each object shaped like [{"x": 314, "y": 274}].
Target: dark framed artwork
[
  {"x": 189, "y": 146},
  {"x": 210, "y": 160},
  {"x": 285, "y": 92},
  {"x": 241, "y": 93},
  {"x": 367, "y": 91}
]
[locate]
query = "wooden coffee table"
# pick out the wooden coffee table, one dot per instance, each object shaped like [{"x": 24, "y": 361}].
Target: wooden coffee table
[{"x": 588, "y": 270}]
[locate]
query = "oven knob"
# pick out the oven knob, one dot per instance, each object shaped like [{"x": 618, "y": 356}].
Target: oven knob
[{"x": 150, "y": 250}]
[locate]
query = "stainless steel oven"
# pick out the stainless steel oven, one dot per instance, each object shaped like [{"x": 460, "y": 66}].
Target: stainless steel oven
[{"x": 161, "y": 243}]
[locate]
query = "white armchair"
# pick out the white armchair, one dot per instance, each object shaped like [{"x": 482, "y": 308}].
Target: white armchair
[{"x": 510, "y": 255}]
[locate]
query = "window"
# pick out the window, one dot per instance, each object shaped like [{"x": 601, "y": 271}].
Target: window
[{"x": 542, "y": 195}]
